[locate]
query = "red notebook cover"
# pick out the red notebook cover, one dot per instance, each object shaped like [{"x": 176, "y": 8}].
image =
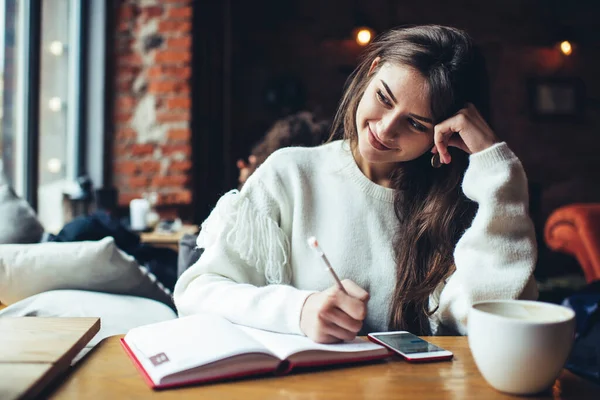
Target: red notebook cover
[
  {"x": 285, "y": 367},
  {"x": 150, "y": 383}
]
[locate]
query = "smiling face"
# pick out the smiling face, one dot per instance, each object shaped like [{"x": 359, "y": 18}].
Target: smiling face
[{"x": 393, "y": 120}]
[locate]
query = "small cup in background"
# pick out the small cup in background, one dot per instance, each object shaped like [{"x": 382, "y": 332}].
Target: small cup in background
[
  {"x": 138, "y": 210},
  {"x": 520, "y": 346}
]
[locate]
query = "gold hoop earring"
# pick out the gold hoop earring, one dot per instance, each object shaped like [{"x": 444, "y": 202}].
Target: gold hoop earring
[{"x": 435, "y": 161}]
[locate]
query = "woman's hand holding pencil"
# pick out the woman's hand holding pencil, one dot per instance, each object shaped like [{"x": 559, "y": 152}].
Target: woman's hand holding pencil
[{"x": 337, "y": 313}]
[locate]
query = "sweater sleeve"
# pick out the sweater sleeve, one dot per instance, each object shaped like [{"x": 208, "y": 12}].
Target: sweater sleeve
[
  {"x": 244, "y": 271},
  {"x": 496, "y": 256}
]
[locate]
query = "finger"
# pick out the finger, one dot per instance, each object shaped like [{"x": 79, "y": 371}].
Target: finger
[
  {"x": 337, "y": 331},
  {"x": 326, "y": 339},
  {"x": 343, "y": 320},
  {"x": 355, "y": 291},
  {"x": 444, "y": 131},
  {"x": 252, "y": 159},
  {"x": 354, "y": 307},
  {"x": 458, "y": 142},
  {"x": 470, "y": 107},
  {"x": 441, "y": 136}
]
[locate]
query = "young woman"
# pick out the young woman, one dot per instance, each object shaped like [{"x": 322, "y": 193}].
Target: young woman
[{"x": 415, "y": 247}]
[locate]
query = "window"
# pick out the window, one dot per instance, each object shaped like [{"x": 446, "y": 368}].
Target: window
[
  {"x": 9, "y": 42},
  {"x": 20, "y": 52},
  {"x": 44, "y": 51},
  {"x": 58, "y": 163}
]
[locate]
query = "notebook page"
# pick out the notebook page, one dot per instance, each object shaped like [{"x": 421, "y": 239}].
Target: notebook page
[
  {"x": 173, "y": 346},
  {"x": 284, "y": 345}
]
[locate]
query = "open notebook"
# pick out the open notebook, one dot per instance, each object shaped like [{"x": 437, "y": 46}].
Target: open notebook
[{"x": 204, "y": 348}]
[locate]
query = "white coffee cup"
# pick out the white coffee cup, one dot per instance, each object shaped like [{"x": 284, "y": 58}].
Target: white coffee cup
[
  {"x": 138, "y": 209},
  {"x": 520, "y": 346}
]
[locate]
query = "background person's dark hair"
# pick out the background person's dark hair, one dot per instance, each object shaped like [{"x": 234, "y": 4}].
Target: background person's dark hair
[
  {"x": 300, "y": 129},
  {"x": 431, "y": 209}
]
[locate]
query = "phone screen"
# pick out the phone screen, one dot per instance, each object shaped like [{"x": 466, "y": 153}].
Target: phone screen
[{"x": 408, "y": 343}]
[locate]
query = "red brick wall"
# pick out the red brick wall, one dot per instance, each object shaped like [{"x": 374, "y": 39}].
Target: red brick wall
[{"x": 151, "y": 147}]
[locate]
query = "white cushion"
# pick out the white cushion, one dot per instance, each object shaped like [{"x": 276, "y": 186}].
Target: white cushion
[
  {"x": 29, "y": 269},
  {"x": 117, "y": 313},
  {"x": 18, "y": 222}
]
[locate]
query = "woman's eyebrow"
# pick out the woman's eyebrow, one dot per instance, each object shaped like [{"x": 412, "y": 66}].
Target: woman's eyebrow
[
  {"x": 415, "y": 116},
  {"x": 424, "y": 119},
  {"x": 387, "y": 89}
]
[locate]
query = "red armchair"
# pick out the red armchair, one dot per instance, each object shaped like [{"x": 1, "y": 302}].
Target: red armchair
[{"x": 575, "y": 230}]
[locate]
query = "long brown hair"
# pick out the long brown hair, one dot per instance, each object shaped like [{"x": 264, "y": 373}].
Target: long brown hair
[{"x": 431, "y": 209}]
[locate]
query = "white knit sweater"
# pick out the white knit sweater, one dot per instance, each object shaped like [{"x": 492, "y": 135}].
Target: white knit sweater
[{"x": 257, "y": 268}]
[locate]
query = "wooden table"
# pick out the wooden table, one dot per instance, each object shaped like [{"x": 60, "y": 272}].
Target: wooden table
[
  {"x": 167, "y": 239},
  {"x": 35, "y": 351},
  {"x": 108, "y": 373}
]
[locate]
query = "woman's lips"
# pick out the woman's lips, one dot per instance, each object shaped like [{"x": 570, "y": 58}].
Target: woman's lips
[{"x": 374, "y": 142}]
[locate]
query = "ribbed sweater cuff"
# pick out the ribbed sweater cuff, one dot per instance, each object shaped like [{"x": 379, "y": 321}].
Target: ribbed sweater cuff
[
  {"x": 292, "y": 318},
  {"x": 498, "y": 153}
]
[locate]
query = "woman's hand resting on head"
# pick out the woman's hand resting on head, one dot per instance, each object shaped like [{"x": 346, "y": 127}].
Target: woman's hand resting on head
[
  {"x": 332, "y": 315},
  {"x": 466, "y": 130}
]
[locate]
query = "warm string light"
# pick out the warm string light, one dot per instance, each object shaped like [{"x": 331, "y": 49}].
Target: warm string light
[
  {"x": 57, "y": 48},
  {"x": 54, "y": 165},
  {"x": 55, "y": 104},
  {"x": 566, "y": 48},
  {"x": 364, "y": 36}
]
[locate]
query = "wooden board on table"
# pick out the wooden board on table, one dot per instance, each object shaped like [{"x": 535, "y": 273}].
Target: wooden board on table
[{"x": 34, "y": 351}]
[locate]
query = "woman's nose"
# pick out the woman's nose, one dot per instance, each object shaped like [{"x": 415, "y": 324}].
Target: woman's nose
[{"x": 387, "y": 127}]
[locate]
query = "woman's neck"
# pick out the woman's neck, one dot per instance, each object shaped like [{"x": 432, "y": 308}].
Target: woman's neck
[{"x": 377, "y": 173}]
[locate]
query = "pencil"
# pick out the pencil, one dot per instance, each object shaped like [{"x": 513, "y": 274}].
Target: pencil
[{"x": 312, "y": 242}]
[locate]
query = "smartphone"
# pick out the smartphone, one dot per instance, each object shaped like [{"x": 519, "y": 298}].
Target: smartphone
[{"x": 410, "y": 346}]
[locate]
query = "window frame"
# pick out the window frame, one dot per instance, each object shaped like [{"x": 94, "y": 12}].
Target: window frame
[
  {"x": 26, "y": 132},
  {"x": 86, "y": 115}
]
